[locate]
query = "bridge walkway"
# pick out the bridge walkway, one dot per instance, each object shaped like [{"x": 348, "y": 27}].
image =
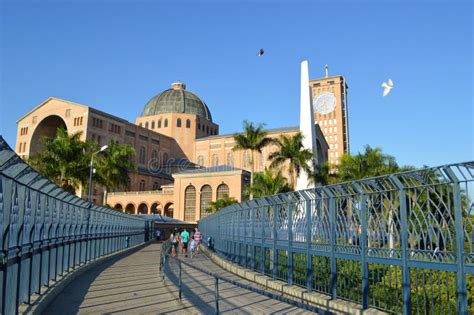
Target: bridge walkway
[{"x": 133, "y": 285}]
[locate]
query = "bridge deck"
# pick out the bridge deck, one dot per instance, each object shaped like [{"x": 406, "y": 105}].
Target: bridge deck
[{"x": 132, "y": 285}]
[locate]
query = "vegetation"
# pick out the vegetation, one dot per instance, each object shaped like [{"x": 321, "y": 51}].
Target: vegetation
[
  {"x": 215, "y": 206},
  {"x": 66, "y": 161},
  {"x": 253, "y": 139},
  {"x": 268, "y": 182},
  {"x": 292, "y": 153}
]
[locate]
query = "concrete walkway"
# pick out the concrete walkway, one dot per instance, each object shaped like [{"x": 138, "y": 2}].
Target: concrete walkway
[{"x": 133, "y": 285}]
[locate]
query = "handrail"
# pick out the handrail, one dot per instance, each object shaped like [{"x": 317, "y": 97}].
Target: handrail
[{"x": 165, "y": 255}]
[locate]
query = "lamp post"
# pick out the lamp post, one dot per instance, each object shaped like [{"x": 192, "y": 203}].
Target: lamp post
[{"x": 91, "y": 170}]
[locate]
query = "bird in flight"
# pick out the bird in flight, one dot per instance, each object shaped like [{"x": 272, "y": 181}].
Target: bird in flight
[
  {"x": 260, "y": 52},
  {"x": 387, "y": 87}
]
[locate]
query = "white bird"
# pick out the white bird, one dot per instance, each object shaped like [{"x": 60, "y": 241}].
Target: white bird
[
  {"x": 260, "y": 52},
  {"x": 387, "y": 87}
]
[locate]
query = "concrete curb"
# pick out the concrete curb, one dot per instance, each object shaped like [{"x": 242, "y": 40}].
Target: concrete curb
[
  {"x": 40, "y": 302},
  {"x": 320, "y": 300}
]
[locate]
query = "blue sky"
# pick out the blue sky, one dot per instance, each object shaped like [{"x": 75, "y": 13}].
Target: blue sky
[{"x": 116, "y": 55}]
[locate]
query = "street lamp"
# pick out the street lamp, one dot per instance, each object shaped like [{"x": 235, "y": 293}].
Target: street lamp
[{"x": 91, "y": 170}]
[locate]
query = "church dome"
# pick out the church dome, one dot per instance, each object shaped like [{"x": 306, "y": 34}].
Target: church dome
[{"x": 177, "y": 100}]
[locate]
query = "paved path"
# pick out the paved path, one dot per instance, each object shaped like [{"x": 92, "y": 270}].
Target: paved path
[{"x": 132, "y": 285}]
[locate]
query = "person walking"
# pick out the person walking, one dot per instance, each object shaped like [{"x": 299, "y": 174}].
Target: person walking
[
  {"x": 158, "y": 235},
  {"x": 174, "y": 242},
  {"x": 184, "y": 241},
  {"x": 192, "y": 247},
  {"x": 197, "y": 238}
]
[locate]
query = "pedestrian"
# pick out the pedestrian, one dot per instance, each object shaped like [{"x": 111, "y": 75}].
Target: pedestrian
[
  {"x": 197, "y": 238},
  {"x": 184, "y": 241},
  {"x": 158, "y": 235},
  {"x": 174, "y": 242},
  {"x": 192, "y": 247}
]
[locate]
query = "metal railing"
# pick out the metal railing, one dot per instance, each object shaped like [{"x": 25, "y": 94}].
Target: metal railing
[
  {"x": 402, "y": 243},
  {"x": 47, "y": 232},
  {"x": 166, "y": 259}
]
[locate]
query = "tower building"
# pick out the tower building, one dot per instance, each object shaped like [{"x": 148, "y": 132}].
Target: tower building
[{"x": 331, "y": 113}]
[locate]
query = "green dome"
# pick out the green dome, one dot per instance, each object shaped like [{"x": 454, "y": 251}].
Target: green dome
[{"x": 177, "y": 100}]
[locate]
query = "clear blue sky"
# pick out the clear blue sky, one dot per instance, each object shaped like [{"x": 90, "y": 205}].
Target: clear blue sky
[{"x": 116, "y": 55}]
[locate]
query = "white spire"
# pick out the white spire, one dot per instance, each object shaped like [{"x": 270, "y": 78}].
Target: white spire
[
  {"x": 327, "y": 71},
  {"x": 307, "y": 127}
]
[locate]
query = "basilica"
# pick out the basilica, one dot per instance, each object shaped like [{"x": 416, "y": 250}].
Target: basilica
[{"x": 182, "y": 161}]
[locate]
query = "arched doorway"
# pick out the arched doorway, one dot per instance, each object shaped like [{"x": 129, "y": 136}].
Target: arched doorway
[
  {"x": 130, "y": 208},
  {"x": 156, "y": 208},
  {"x": 169, "y": 209},
  {"x": 46, "y": 128},
  {"x": 143, "y": 209},
  {"x": 118, "y": 207},
  {"x": 190, "y": 204}
]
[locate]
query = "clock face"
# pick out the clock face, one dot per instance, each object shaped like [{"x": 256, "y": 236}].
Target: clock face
[{"x": 324, "y": 103}]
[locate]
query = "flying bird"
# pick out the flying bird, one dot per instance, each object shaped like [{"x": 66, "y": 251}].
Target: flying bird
[
  {"x": 387, "y": 87},
  {"x": 260, "y": 52}
]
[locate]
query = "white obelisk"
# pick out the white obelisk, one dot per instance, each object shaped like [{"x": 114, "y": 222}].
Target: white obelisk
[{"x": 307, "y": 127}]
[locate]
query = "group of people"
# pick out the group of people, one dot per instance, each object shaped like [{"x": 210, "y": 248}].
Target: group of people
[{"x": 184, "y": 242}]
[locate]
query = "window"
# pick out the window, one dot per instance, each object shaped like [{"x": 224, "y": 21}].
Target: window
[
  {"x": 188, "y": 123},
  {"x": 200, "y": 160},
  {"x": 222, "y": 191},
  {"x": 190, "y": 204},
  {"x": 230, "y": 159},
  {"x": 199, "y": 126},
  {"x": 335, "y": 128},
  {"x": 166, "y": 123},
  {"x": 153, "y": 124},
  {"x": 142, "y": 155},
  {"x": 165, "y": 158},
  {"x": 207, "y": 129},
  {"x": 146, "y": 125},
  {"x": 206, "y": 198},
  {"x": 178, "y": 123},
  {"x": 215, "y": 160},
  {"x": 159, "y": 123},
  {"x": 156, "y": 186},
  {"x": 142, "y": 185},
  {"x": 154, "y": 154}
]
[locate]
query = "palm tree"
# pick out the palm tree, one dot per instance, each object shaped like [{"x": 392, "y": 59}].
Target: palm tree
[
  {"x": 63, "y": 160},
  {"x": 323, "y": 175},
  {"x": 267, "y": 183},
  {"x": 291, "y": 151},
  {"x": 254, "y": 139},
  {"x": 113, "y": 166},
  {"x": 215, "y": 206}
]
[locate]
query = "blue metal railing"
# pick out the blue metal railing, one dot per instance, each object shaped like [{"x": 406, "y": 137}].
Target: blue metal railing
[
  {"x": 402, "y": 243},
  {"x": 47, "y": 232}
]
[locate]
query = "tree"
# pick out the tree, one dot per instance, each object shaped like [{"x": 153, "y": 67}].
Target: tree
[
  {"x": 63, "y": 160},
  {"x": 253, "y": 139},
  {"x": 215, "y": 206},
  {"x": 291, "y": 151},
  {"x": 113, "y": 166},
  {"x": 323, "y": 175},
  {"x": 267, "y": 183}
]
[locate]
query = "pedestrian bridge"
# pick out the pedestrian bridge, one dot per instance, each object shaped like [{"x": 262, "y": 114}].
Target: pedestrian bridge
[{"x": 401, "y": 243}]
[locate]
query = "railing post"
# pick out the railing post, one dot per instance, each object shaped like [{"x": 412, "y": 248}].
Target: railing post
[
  {"x": 216, "y": 289},
  {"x": 332, "y": 215},
  {"x": 252, "y": 236},
  {"x": 180, "y": 282},
  {"x": 363, "y": 245},
  {"x": 262, "y": 247},
  {"x": 406, "y": 285},
  {"x": 309, "y": 262},
  {"x": 461, "y": 287},
  {"x": 290, "y": 243},
  {"x": 275, "y": 208}
]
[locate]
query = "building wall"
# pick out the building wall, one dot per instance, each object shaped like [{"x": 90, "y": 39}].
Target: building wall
[
  {"x": 148, "y": 201},
  {"x": 334, "y": 125}
]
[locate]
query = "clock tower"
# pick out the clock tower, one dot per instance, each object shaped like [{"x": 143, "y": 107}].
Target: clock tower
[{"x": 330, "y": 113}]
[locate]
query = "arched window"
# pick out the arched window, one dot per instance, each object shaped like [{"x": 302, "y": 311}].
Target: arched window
[
  {"x": 142, "y": 185},
  {"x": 230, "y": 159},
  {"x": 200, "y": 160},
  {"x": 215, "y": 160},
  {"x": 166, "y": 123},
  {"x": 146, "y": 125},
  {"x": 178, "y": 123},
  {"x": 222, "y": 191},
  {"x": 156, "y": 186},
  {"x": 190, "y": 204},
  {"x": 159, "y": 123},
  {"x": 207, "y": 129},
  {"x": 206, "y": 198},
  {"x": 142, "y": 155},
  {"x": 153, "y": 124},
  {"x": 199, "y": 126},
  {"x": 188, "y": 123}
]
